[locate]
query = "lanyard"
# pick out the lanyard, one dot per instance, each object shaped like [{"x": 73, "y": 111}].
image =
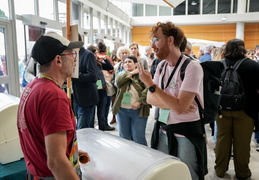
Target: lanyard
[
  {"x": 50, "y": 78},
  {"x": 172, "y": 74}
]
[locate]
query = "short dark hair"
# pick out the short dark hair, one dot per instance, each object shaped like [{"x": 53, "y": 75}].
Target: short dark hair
[
  {"x": 183, "y": 45},
  {"x": 132, "y": 58},
  {"x": 102, "y": 47},
  {"x": 235, "y": 49},
  {"x": 92, "y": 48}
]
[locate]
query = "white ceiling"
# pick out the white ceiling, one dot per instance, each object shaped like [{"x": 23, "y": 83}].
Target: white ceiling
[{"x": 191, "y": 20}]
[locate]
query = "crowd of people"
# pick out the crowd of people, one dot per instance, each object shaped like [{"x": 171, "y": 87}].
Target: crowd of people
[{"x": 128, "y": 84}]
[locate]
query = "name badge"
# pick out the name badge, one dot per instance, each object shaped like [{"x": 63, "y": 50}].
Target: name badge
[
  {"x": 163, "y": 115},
  {"x": 126, "y": 98},
  {"x": 99, "y": 84}
]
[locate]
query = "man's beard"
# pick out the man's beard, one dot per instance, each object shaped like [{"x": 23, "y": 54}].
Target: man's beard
[{"x": 163, "y": 53}]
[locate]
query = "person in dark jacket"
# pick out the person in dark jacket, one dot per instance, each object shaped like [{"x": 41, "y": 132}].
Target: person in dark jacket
[
  {"x": 235, "y": 128},
  {"x": 85, "y": 89},
  {"x": 102, "y": 90}
]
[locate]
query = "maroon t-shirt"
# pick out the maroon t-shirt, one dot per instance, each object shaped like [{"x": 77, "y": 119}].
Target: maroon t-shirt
[{"x": 44, "y": 109}]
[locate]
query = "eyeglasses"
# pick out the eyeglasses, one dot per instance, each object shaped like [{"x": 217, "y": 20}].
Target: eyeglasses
[
  {"x": 154, "y": 40},
  {"x": 74, "y": 54}
]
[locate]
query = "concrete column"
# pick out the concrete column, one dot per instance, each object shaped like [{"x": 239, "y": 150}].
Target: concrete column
[
  {"x": 241, "y": 6},
  {"x": 116, "y": 28},
  {"x": 91, "y": 40},
  {"x": 106, "y": 22},
  {"x": 240, "y": 28},
  {"x": 111, "y": 29},
  {"x": 99, "y": 16},
  {"x": 120, "y": 30}
]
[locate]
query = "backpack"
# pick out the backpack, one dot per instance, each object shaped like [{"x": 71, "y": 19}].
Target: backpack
[
  {"x": 232, "y": 92},
  {"x": 211, "y": 89}
]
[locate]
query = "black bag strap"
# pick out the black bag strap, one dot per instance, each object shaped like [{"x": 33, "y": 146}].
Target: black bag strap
[
  {"x": 184, "y": 65},
  {"x": 162, "y": 66},
  {"x": 236, "y": 65},
  {"x": 224, "y": 63},
  {"x": 172, "y": 74}
]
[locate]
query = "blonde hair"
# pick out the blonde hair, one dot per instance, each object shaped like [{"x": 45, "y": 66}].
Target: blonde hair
[
  {"x": 217, "y": 53},
  {"x": 122, "y": 49}
]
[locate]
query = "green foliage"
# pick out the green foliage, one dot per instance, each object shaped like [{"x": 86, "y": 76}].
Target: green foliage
[{"x": 2, "y": 14}]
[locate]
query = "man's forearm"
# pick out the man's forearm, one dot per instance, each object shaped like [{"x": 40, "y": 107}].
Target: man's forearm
[
  {"x": 156, "y": 100},
  {"x": 164, "y": 100},
  {"x": 63, "y": 170}
]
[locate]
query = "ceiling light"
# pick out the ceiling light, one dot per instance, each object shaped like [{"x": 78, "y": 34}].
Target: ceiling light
[
  {"x": 193, "y": 3},
  {"x": 224, "y": 18}
]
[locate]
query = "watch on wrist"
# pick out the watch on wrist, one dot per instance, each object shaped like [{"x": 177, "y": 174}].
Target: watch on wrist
[{"x": 152, "y": 88}]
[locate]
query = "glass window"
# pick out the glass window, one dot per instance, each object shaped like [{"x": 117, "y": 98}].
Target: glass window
[
  {"x": 3, "y": 65},
  {"x": 180, "y": 9},
  {"x": 75, "y": 14},
  {"x": 124, "y": 6},
  {"x": 86, "y": 20},
  {"x": 31, "y": 35},
  {"x": 164, "y": 11},
  {"x": 20, "y": 7},
  {"x": 20, "y": 38},
  {"x": 4, "y": 10},
  {"x": 151, "y": 10},
  {"x": 3, "y": 61},
  {"x": 194, "y": 7},
  {"x": 209, "y": 7},
  {"x": 62, "y": 13},
  {"x": 46, "y": 9},
  {"x": 254, "y": 6},
  {"x": 4, "y": 88},
  {"x": 137, "y": 9},
  {"x": 103, "y": 24},
  {"x": 95, "y": 23},
  {"x": 224, "y": 6},
  {"x": 235, "y": 6}
]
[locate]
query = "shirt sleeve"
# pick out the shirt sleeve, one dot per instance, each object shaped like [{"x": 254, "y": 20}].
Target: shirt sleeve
[{"x": 193, "y": 79}]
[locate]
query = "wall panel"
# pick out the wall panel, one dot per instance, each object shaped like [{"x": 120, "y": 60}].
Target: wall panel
[
  {"x": 221, "y": 33},
  {"x": 251, "y": 35}
]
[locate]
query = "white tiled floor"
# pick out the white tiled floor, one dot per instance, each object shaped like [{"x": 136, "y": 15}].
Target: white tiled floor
[{"x": 230, "y": 175}]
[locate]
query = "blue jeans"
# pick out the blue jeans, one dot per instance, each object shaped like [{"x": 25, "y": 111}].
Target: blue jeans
[
  {"x": 102, "y": 121},
  {"x": 214, "y": 137},
  {"x": 186, "y": 152},
  {"x": 131, "y": 126},
  {"x": 85, "y": 117}
]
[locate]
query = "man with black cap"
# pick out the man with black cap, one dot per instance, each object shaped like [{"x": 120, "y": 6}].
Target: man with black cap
[{"x": 46, "y": 122}]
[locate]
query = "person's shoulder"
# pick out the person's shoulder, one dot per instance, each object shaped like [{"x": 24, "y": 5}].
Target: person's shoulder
[
  {"x": 143, "y": 59},
  {"x": 250, "y": 62},
  {"x": 87, "y": 54},
  {"x": 161, "y": 63},
  {"x": 193, "y": 64}
]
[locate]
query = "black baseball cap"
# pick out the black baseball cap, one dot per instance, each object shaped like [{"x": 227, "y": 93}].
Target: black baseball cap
[{"x": 51, "y": 44}]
